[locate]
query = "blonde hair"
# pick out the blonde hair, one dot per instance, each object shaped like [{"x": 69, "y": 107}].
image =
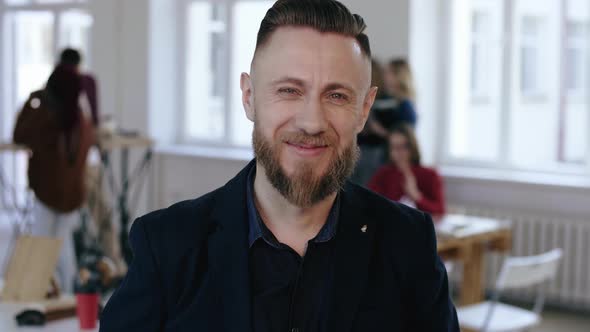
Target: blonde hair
[{"x": 403, "y": 73}]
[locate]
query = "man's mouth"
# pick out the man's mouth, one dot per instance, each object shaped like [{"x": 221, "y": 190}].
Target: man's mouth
[{"x": 306, "y": 149}]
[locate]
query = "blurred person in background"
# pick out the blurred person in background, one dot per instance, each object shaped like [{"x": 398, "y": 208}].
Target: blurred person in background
[
  {"x": 393, "y": 106},
  {"x": 399, "y": 83},
  {"x": 404, "y": 179},
  {"x": 72, "y": 58},
  {"x": 372, "y": 140},
  {"x": 55, "y": 124}
]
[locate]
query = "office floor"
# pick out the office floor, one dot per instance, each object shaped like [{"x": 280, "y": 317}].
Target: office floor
[
  {"x": 560, "y": 321},
  {"x": 553, "y": 320}
]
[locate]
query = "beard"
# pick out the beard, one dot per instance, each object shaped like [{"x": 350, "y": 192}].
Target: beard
[{"x": 304, "y": 188}]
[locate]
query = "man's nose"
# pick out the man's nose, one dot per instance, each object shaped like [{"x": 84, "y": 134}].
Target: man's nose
[{"x": 311, "y": 118}]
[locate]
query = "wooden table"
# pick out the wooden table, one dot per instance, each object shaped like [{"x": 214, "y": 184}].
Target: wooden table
[{"x": 466, "y": 239}]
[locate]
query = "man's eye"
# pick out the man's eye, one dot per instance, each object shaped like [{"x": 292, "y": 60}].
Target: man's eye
[
  {"x": 289, "y": 91},
  {"x": 338, "y": 96}
]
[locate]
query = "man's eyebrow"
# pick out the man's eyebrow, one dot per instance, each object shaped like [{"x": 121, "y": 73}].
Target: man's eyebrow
[
  {"x": 299, "y": 82},
  {"x": 288, "y": 79},
  {"x": 336, "y": 86}
]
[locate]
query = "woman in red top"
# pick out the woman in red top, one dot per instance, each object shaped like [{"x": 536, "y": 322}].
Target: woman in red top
[{"x": 404, "y": 180}]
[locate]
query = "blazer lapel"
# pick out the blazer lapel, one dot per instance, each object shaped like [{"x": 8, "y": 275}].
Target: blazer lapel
[
  {"x": 228, "y": 254},
  {"x": 353, "y": 249}
]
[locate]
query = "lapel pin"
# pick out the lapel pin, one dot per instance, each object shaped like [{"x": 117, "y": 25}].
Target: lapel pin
[{"x": 364, "y": 229}]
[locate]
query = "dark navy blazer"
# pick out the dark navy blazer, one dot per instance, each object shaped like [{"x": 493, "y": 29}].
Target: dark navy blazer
[{"x": 190, "y": 269}]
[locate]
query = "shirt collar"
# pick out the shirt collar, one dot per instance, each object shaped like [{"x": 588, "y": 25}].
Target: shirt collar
[{"x": 258, "y": 230}]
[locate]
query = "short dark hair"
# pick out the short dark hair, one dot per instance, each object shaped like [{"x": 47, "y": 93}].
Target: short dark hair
[
  {"x": 320, "y": 15},
  {"x": 70, "y": 56}
]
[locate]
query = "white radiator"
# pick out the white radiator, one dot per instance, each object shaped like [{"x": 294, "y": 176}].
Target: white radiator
[{"x": 536, "y": 234}]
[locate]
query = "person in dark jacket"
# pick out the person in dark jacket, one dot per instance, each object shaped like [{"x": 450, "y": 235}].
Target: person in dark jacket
[
  {"x": 288, "y": 244},
  {"x": 55, "y": 125},
  {"x": 72, "y": 58}
]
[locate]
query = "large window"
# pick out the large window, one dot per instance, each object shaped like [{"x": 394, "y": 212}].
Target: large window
[
  {"x": 32, "y": 33},
  {"x": 219, "y": 41},
  {"x": 518, "y": 84}
]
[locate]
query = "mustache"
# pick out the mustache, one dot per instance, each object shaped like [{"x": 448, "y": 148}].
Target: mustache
[{"x": 301, "y": 138}]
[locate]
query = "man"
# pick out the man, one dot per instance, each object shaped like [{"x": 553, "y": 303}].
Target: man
[{"x": 288, "y": 245}]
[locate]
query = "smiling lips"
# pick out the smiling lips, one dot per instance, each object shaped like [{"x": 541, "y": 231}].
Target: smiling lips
[{"x": 307, "y": 150}]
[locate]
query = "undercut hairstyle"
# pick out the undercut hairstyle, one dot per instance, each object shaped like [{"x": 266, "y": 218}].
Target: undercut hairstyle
[{"x": 320, "y": 15}]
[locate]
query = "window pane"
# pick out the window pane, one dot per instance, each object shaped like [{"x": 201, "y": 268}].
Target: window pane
[
  {"x": 480, "y": 23},
  {"x": 205, "y": 58},
  {"x": 528, "y": 70},
  {"x": 74, "y": 32},
  {"x": 574, "y": 63},
  {"x": 530, "y": 43},
  {"x": 530, "y": 26},
  {"x": 535, "y": 113},
  {"x": 475, "y": 65},
  {"x": 33, "y": 51},
  {"x": 480, "y": 26},
  {"x": 577, "y": 30},
  {"x": 247, "y": 16},
  {"x": 576, "y": 58},
  {"x": 576, "y": 131},
  {"x": 475, "y": 108}
]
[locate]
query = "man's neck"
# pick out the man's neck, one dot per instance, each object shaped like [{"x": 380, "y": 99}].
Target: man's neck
[{"x": 290, "y": 224}]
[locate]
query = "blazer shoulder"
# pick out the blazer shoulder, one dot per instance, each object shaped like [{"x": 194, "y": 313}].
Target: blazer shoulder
[{"x": 182, "y": 222}]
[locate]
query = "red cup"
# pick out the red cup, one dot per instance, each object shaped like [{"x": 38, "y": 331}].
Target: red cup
[{"x": 87, "y": 310}]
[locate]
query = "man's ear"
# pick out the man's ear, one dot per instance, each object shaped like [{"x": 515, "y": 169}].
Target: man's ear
[
  {"x": 367, "y": 104},
  {"x": 247, "y": 95}
]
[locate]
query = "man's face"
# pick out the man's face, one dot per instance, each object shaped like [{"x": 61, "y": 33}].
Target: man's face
[{"x": 309, "y": 95}]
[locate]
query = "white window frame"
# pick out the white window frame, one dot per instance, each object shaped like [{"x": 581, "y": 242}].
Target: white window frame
[
  {"x": 502, "y": 163},
  {"x": 480, "y": 94},
  {"x": 182, "y": 136},
  {"x": 582, "y": 45},
  {"x": 7, "y": 61},
  {"x": 537, "y": 92}
]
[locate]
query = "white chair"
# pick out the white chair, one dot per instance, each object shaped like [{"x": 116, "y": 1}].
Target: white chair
[{"x": 517, "y": 272}]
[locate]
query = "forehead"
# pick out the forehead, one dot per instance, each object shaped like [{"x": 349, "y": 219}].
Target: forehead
[{"x": 310, "y": 55}]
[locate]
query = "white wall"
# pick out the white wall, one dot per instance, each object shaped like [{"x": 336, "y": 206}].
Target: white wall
[
  {"x": 387, "y": 25},
  {"x": 120, "y": 41},
  {"x": 120, "y": 46}
]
